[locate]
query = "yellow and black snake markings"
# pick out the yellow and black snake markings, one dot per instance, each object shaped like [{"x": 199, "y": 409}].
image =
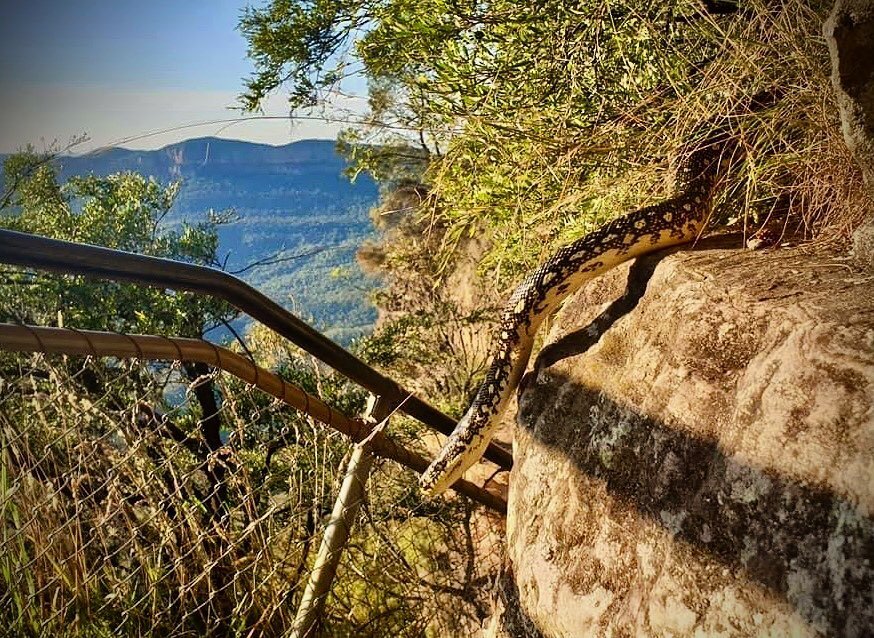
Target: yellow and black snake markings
[{"x": 677, "y": 220}]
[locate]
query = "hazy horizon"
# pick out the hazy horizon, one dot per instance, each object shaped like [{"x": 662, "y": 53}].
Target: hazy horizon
[
  {"x": 140, "y": 76},
  {"x": 224, "y": 138}
]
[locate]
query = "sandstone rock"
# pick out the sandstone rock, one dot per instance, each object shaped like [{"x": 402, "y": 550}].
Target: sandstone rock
[
  {"x": 849, "y": 32},
  {"x": 863, "y": 246},
  {"x": 702, "y": 464}
]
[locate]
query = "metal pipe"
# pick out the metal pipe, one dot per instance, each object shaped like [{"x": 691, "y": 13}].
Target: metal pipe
[
  {"x": 66, "y": 257},
  {"x": 338, "y": 530},
  {"x": 150, "y": 347}
]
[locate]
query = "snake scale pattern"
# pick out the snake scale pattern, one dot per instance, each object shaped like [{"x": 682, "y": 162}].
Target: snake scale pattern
[{"x": 677, "y": 220}]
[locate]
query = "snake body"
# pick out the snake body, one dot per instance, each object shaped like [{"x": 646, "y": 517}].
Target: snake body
[{"x": 677, "y": 220}]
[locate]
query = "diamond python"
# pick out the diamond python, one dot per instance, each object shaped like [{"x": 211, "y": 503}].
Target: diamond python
[{"x": 677, "y": 220}]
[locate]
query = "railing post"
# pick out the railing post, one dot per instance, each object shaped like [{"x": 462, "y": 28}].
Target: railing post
[{"x": 337, "y": 531}]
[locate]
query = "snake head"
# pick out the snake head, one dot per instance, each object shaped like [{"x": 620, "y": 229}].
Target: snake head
[{"x": 463, "y": 448}]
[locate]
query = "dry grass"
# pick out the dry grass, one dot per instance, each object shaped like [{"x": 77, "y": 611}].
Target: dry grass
[
  {"x": 535, "y": 180},
  {"x": 794, "y": 169},
  {"x": 106, "y": 526}
]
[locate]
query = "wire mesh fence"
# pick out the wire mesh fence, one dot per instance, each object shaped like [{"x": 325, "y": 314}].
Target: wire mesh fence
[{"x": 143, "y": 498}]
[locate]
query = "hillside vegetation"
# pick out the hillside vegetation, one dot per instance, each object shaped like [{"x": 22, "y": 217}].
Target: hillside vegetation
[{"x": 524, "y": 125}]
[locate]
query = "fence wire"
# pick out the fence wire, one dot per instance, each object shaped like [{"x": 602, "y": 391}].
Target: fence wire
[{"x": 141, "y": 498}]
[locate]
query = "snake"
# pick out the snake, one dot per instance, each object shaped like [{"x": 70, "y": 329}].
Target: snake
[{"x": 679, "y": 219}]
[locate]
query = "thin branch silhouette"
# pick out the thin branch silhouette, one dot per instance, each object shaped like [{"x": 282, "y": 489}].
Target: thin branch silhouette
[{"x": 274, "y": 259}]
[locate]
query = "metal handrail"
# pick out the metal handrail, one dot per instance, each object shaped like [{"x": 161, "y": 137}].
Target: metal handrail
[
  {"x": 34, "y": 251},
  {"x": 24, "y": 338}
]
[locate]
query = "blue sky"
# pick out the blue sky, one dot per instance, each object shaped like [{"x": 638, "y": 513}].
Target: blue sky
[{"x": 122, "y": 68}]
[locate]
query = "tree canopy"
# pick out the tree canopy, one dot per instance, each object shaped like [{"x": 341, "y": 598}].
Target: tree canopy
[{"x": 121, "y": 211}]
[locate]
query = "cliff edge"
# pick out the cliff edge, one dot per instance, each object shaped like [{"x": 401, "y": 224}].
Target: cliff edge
[{"x": 695, "y": 450}]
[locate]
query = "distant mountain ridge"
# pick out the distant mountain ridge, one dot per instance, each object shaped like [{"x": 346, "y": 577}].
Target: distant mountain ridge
[
  {"x": 203, "y": 151},
  {"x": 288, "y": 200}
]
